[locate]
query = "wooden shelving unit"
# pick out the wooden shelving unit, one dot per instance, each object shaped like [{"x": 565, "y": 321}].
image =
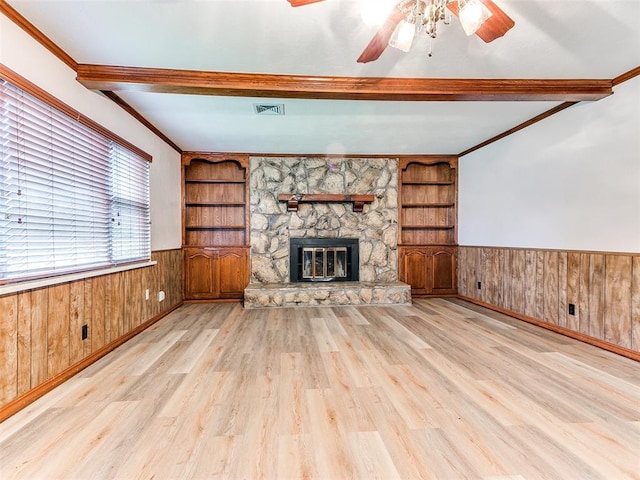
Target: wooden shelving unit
[
  {"x": 428, "y": 224},
  {"x": 216, "y": 226}
]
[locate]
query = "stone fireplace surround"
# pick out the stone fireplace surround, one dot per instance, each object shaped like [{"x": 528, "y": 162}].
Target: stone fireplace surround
[{"x": 271, "y": 227}]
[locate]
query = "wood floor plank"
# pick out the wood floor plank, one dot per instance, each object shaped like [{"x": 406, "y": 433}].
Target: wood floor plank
[
  {"x": 295, "y": 457},
  {"x": 440, "y": 390},
  {"x": 407, "y": 455},
  {"x": 352, "y": 415},
  {"x": 328, "y": 436},
  {"x": 191, "y": 356},
  {"x": 371, "y": 457}
]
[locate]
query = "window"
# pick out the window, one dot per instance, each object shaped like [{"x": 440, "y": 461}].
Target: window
[{"x": 71, "y": 197}]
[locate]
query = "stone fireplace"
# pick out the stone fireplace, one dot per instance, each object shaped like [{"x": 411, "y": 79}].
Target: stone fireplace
[{"x": 273, "y": 226}]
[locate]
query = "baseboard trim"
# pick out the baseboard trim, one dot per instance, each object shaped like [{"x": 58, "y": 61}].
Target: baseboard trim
[
  {"x": 611, "y": 347},
  {"x": 32, "y": 395}
]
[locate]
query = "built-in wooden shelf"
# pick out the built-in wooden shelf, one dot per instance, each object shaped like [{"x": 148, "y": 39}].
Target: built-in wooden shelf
[
  {"x": 427, "y": 182},
  {"x": 215, "y": 204},
  {"x": 294, "y": 199},
  {"x": 432, "y": 227},
  {"x": 217, "y": 227},
  {"x": 216, "y": 180},
  {"x": 215, "y": 217},
  {"x": 427, "y": 222},
  {"x": 426, "y": 204},
  {"x": 420, "y": 245}
]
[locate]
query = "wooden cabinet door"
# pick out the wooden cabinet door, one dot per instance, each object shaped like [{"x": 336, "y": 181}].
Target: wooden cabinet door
[
  {"x": 415, "y": 269},
  {"x": 232, "y": 272},
  {"x": 200, "y": 275},
  {"x": 444, "y": 271}
]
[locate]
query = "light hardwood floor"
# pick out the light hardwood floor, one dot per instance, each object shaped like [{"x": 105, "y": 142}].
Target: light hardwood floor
[{"x": 439, "y": 390}]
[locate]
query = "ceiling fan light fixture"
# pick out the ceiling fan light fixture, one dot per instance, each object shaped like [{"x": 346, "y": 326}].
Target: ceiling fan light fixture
[
  {"x": 472, "y": 14},
  {"x": 403, "y": 36},
  {"x": 410, "y": 17}
]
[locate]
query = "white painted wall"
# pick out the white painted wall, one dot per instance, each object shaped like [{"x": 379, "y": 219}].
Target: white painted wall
[
  {"x": 25, "y": 56},
  {"x": 571, "y": 181}
]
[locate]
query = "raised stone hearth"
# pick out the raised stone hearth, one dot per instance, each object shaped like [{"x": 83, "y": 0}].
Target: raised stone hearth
[{"x": 261, "y": 295}]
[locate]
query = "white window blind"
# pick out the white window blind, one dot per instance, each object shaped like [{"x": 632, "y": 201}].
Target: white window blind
[{"x": 71, "y": 198}]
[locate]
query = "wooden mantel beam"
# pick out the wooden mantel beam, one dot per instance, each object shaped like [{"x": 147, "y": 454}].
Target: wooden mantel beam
[
  {"x": 295, "y": 199},
  {"x": 158, "y": 80}
]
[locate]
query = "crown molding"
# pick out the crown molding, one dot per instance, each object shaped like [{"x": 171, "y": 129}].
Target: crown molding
[
  {"x": 13, "y": 15},
  {"x": 634, "y": 72},
  {"x": 519, "y": 127}
]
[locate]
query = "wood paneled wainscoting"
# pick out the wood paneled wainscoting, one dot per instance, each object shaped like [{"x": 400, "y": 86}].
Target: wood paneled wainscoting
[
  {"x": 41, "y": 341},
  {"x": 591, "y": 296}
]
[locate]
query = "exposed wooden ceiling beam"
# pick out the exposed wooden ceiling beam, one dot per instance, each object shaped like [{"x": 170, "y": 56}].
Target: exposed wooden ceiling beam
[{"x": 158, "y": 80}]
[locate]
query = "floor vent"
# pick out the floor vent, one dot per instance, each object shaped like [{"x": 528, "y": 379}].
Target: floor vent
[{"x": 268, "y": 108}]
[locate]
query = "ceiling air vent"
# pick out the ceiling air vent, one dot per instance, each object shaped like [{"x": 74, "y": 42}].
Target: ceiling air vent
[{"x": 268, "y": 108}]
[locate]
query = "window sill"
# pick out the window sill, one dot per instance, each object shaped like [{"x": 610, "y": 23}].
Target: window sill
[{"x": 71, "y": 277}]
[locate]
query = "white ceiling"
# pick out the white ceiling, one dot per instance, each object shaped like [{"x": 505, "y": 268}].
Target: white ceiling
[{"x": 591, "y": 39}]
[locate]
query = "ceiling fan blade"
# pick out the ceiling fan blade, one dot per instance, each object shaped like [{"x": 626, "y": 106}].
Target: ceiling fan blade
[
  {"x": 299, "y": 3},
  {"x": 496, "y": 25},
  {"x": 381, "y": 39}
]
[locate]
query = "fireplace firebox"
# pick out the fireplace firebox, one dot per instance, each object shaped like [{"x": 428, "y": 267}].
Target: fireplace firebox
[{"x": 323, "y": 260}]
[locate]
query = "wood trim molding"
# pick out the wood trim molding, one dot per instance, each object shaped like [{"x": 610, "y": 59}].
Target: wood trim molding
[
  {"x": 46, "y": 97},
  {"x": 523, "y": 125},
  {"x": 634, "y": 72},
  {"x": 406, "y": 160},
  {"x": 13, "y": 15},
  {"x": 158, "y": 80},
  {"x": 240, "y": 159},
  {"x": 135, "y": 114},
  {"x": 616, "y": 81},
  {"x": 537, "y": 249},
  {"x": 31, "y": 396},
  {"x": 625, "y": 352}
]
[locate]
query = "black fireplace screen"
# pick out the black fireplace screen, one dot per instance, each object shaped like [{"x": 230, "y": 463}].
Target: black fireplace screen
[
  {"x": 324, "y": 262},
  {"x": 323, "y": 259}
]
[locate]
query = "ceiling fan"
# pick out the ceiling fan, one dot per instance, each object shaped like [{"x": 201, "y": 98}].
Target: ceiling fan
[{"x": 407, "y": 17}]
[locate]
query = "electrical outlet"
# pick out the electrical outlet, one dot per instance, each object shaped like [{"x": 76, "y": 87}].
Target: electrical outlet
[
  {"x": 85, "y": 331},
  {"x": 479, "y": 285},
  {"x": 572, "y": 309},
  {"x": 146, "y": 294},
  {"x": 161, "y": 295}
]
